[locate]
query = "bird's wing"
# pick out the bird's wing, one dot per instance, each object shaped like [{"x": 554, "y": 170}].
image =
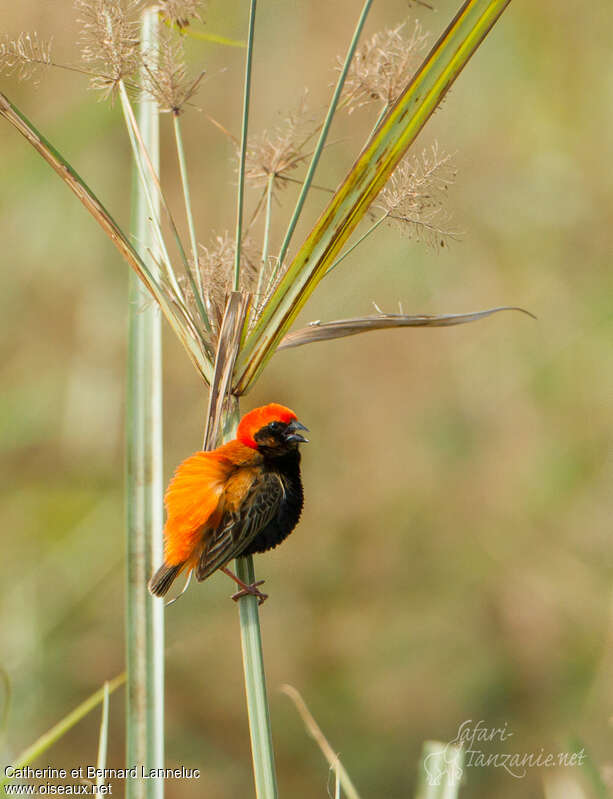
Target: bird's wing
[
  {"x": 192, "y": 500},
  {"x": 240, "y": 524}
]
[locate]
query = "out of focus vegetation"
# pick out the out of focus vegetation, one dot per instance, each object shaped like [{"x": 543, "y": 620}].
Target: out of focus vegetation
[{"x": 454, "y": 561}]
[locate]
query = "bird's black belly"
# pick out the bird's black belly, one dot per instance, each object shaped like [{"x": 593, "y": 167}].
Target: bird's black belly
[{"x": 290, "y": 508}]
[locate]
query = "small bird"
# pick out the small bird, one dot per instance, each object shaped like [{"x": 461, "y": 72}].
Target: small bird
[{"x": 243, "y": 497}]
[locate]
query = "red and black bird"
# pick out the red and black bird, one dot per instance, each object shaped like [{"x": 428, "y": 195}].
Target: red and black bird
[{"x": 241, "y": 498}]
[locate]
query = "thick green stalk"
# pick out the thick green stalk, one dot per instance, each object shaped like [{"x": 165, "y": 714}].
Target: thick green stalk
[
  {"x": 144, "y": 613},
  {"x": 382, "y": 153},
  {"x": 324, "y": 132},
  {"x": 244, "y": 132},
  {"x": 262, "y": 751}
]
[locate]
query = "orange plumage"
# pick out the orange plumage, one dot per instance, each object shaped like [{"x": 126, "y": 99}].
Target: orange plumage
[{"x": 243, "y": 497}]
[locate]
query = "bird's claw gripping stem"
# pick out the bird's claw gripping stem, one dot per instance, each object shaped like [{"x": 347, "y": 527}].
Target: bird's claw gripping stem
[
  {"x": 252, "y": 590},
  {"x": 246, "y": 589}
]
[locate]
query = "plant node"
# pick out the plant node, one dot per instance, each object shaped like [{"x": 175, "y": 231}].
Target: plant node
[{"x": 166, "y": 76}]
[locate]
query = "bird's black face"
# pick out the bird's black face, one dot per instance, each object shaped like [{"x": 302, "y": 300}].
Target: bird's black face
[{"x": 278, "y": 438}]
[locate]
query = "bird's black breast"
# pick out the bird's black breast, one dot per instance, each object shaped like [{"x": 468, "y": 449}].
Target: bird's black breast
[{"x": 290, "y": 507}]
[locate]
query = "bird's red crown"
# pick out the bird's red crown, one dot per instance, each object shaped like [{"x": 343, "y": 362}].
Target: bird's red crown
[{"x": 260, "y": 417}]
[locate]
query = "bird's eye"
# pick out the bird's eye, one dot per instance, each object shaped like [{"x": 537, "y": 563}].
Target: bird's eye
[{"x": 275, "y": 427}]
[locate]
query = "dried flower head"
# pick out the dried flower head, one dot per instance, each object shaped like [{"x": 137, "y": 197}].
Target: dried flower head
[
  {"x": 109, "y": 42},
  {"x": 216, "y": 264},
  {"x": 414, "y": 198},
  {"x": 24, "y": 55},
  {"x": 166, "y": 76},
  {"x": 279, "y": 152},
  {"x": 181, "y": 12},
  {"x": 382, "y": 65}
]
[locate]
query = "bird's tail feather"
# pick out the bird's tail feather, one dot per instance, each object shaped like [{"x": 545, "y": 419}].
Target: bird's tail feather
[{"x": 164, "y": 578}]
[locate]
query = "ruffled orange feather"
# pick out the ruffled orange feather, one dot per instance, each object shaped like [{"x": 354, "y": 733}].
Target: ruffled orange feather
[
  {"x": 191, "y": 499},
  {"x": 195, "y": 498}
]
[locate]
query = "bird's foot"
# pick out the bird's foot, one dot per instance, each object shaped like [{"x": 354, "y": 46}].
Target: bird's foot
[{"x": 250, "y": 589}]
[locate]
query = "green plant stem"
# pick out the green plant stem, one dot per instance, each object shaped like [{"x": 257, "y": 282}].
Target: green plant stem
[
  {"x": 370, "y": 230},
  {"x": 144, "y": 511},
  {"x": 60, "y": 729},
  {"x": 323, "y": 134},
  {"x": 188, "y": 204},
  {"x": 103, "y": 741},
  {"x": 255, "y": 687},
  {"x": 269, "y": 186},
  {"x": 243, "y": 151}
]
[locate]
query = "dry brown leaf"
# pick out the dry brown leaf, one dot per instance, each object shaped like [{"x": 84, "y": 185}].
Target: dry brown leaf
[{"x": 364, "y": 324}]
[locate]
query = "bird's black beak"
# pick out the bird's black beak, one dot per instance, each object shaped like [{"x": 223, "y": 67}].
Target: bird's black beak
[{"x": 295, "y": 436}]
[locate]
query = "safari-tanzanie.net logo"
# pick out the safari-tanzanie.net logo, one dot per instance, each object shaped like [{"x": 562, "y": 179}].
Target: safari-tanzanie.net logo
[{"x": 479, "y": 746}]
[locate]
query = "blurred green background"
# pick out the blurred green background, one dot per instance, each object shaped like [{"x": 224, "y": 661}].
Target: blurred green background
[{"x": 454, "y": 560}]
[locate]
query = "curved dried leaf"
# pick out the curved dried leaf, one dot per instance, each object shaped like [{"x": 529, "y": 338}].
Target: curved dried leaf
[{"x": 364, "y": 324}]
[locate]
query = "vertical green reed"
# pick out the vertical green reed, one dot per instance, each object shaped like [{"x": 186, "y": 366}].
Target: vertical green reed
[
  {"x": 144, "y": 511},
  {"x": 262, "y": 752},
  {"x": 244, "y": 129}
]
